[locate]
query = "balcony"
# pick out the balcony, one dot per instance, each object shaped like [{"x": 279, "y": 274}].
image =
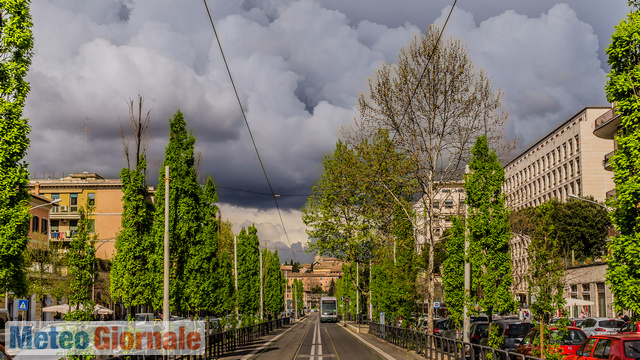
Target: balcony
[
  {"x": 607, "y": 161},
  {"x": 607, "y": 124}
]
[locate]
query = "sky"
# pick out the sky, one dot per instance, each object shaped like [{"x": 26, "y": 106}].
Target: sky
[{"x": 298, "y": 67}]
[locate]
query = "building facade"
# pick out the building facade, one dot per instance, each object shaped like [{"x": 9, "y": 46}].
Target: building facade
[
  {"x": 567, "y": 161},
  {"x": 82, "y": 190}
]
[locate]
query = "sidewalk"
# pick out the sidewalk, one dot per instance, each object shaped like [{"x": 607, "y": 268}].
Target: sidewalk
[{"x": 380, "y": 346}]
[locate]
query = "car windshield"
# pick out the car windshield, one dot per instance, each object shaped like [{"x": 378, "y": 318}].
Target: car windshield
[
  {"x": 572, "y": 337},
  {"x": 611, "y": 324},
  {"x": 480, "y": 329},
  {"x": 632, "y": 349}
]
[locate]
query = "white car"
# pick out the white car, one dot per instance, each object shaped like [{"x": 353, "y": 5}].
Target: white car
[{"x": 601, "y": 326}]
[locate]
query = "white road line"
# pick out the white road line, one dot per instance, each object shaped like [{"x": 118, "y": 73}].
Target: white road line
[
  {"x": 319, "y": 341},
  {"x": 247, "y": 357},
  {"x": 387, "y": 356},
  {"x": 313, "y": 343}
]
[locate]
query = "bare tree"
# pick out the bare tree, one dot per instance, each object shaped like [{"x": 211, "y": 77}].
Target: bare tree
[
  {"x": 434, "y": 103},
  {"x": 139, "y": 127}
]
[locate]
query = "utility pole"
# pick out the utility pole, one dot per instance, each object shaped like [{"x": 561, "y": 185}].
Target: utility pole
[
  {"x": 370, "y": 293},
  {"x": 165, "y": 300},
  {"x": 261, "y": 299},
  {"x": 235, "y": 272},
  {"x": 467, "y": 269},
  {"x": 357, "y": 289}
]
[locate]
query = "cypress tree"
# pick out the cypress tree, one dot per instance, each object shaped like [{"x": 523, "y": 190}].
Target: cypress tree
[
  {"x": 15, "y": 59},
  {"x": 248, "y": 272}
]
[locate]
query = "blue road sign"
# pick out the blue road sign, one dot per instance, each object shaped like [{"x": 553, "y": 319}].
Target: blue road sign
[
  {"x": 436, "y": 305},
  {"x": 23, "y": 305}
]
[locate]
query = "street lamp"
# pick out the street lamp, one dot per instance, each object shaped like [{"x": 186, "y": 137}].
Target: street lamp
[
  {"x": 54, "y": 201},
  {"x": 587, "y": 200}
]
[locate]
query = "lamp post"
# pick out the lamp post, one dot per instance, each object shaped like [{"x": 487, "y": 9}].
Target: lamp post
[
  {"x": 54, "y": 201},
  {"x": 591, "y": 201}
]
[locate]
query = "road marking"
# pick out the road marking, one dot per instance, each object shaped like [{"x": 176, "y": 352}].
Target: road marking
[
  {"x": 387, "y": 356},
  {"x": 268, "y": 343},
  {"x": 316, "y": 342}
]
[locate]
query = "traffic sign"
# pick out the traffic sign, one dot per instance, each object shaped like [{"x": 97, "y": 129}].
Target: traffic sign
[
  {"x": 343, "y": 298},
  {"x": 23, "y": 305},
  {"x": 347, "y": 299},
  {"x": 436, "y": 305}
]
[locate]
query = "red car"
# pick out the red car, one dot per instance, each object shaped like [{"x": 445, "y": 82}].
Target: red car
[
  {"x": 567, "y": 345},
  {"x": 630, "y": 327},
  {"x": 614, "y": 347}
]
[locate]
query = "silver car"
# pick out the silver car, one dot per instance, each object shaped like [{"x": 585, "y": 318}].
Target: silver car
[{"x": 601, "y": 326}]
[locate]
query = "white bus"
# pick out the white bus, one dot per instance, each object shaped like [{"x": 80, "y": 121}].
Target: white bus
[{"x": 328, "y": 309}]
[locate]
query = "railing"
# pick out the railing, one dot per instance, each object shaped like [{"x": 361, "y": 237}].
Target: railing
[
  {"x": 439, "y": 348},
  {"x": 221, "y": 343}
]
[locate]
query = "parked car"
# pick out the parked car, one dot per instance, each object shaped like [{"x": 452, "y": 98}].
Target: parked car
[
  {"x": 478, "y": 331},
  {"x": 453, "y": 332},
  {"x": 572, "y": 321},
  {"x": 630, "y": 327},
  {"x": 601, "y": 326},
  {"x": 614, "y": 346},
  {"x": 513, "y": 331},
  {"x": 439, "y": 326},
  {"x": 567, "y": 345}
]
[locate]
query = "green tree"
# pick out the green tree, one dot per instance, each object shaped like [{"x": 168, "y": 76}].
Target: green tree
[
  {"x": 453, "y": 270},
  {"x": 226, "y": 293},
  {"x": 405, "y": 271},
  {"x": 434, "y": 102},
  {"x": 332, "y": 288},
  {"x": 81, "y": 259},
  {"x": 16, "y": 39},
  {"x": 132, "y": 280},
  {"x": 44, "y": 274},
  {"x": 489, "y": 233},
  {"x": 185, "y": 213},
  {"x": 248, "y": 272},
  {"x": 623, "y": 268},
  {"x": 582, "y": 228},
  {"x": 273, "y": 284},
  {"x": 546, "y": 273},
  {"x": 202, "y": 264},
  {"x": 131, "y": 273}
]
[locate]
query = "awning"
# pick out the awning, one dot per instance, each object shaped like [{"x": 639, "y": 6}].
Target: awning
[{"x": 578, "y": 302}]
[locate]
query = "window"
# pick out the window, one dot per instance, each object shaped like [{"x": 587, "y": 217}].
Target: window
[
  {"x": 35, "y": 221},
  {"x": 588, "y": 346},
  {"x": 577, "y": 143},
  {"x": 602, "y": 349},
  {"x": 73, "y": 202},
  {"x": 448, "y": 204},
  {"x": 570, "y": 147},
  {"x": 92, "y": 226},
  {"x": 91, "y": 199},
  {"x": 56, "y": 207},
  {"x": 436, "y": 204},
  {"x": 578, "y": 166},
  {"x": 43, "y": 228},
  {"x": 564, "y": 150}
]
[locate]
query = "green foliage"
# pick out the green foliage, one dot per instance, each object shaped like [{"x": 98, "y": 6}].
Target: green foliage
[
  {"x": 273, "y": 283},
  {"x": 404, "y": 280},
  {"x": 82, "y": 272},
  {"x": 202, "y": 264},
  {"x": 453, "y": 271},
  {"x": 332, "y": 288},
  {"x": 581, "y": 228},
  {"x": 225, "y": 296},
  {"x": 45, "y": 277},
  {"x": 489, "y": 232},
  {"x": 132, "y": 280},
  {"x": 546, "y": 273},
  {"x": 185, "y": 213},
  {"x": 623, "y": 267},
  {"x": 350, "y": 211},
  {"x": 248, "y": 271},
  {"x": 16, "y": 49}
]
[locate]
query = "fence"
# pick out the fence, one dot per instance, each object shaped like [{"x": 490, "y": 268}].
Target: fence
[
  {"x": 221, "y": 343},
  {"x": 435, "y": 347}
]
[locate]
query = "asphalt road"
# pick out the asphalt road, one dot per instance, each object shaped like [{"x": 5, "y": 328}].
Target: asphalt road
[{"x": 312, "y": 340}]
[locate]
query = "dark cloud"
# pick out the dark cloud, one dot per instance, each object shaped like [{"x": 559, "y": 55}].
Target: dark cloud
[{"x": 298, "y": 67}]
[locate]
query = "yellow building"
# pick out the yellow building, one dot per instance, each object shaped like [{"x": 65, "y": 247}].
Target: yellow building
[{"x": 81, "y": 190}]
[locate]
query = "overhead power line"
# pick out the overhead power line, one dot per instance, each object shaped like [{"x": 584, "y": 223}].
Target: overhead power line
[{"x": 244, "y": 116}]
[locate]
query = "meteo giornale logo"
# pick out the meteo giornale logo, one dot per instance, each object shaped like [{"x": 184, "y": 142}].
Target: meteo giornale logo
[{"x": 105, "y": 337}]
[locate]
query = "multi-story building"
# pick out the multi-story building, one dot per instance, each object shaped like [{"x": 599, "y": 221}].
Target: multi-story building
[
  {"x": 325, "y": 271},
  {"x": 448, "y": 202},
  {"x": 104, "y": 196},
  {"x": 566, "y": 162}
]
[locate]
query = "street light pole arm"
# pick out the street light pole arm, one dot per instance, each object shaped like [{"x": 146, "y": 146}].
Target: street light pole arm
[{"x": 591, "y": 201}]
